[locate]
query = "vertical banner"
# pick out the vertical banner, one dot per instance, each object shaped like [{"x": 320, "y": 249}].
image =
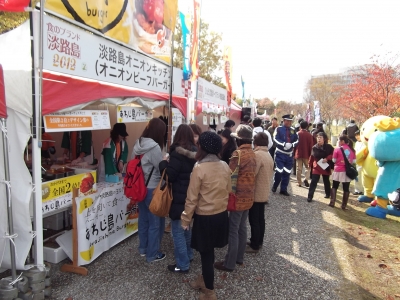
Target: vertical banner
[
  {"x": 308, "y": 113},
  {"x": 317, "y": 115},
  {"x": 227, "y": 57},
  {"x": 194, "y": 60},
  {"x": 185, "y": 23}
]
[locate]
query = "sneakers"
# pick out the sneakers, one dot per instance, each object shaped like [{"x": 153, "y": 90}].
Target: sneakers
[
  {"x": 220, "y": 266},
  {"x": 273, "y": 189},
  {"x": 159, "y": 257},
  {"x": 306, "y": 183},
  {"x": 175, "y": 269}
]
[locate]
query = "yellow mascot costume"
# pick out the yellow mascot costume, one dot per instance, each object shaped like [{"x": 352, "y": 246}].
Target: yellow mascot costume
[{"x": 365, "y": 160}]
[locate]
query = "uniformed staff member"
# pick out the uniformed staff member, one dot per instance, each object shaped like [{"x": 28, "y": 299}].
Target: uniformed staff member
[{"x": 286, "y": 139}]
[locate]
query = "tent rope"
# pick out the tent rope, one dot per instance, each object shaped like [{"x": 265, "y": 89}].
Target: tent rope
[{"x": 19, "y": 278}]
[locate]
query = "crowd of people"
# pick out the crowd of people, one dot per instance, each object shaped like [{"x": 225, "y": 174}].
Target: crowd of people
[{"x": 199, "y": 167}]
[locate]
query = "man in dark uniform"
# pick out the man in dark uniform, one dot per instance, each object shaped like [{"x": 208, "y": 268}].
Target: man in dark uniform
[{"x": 286, "y": 139}]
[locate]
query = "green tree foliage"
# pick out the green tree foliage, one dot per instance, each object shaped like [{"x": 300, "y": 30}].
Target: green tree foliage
[
  {"x": 210, "y": 53},
  {"x": 10, "y": 20}
]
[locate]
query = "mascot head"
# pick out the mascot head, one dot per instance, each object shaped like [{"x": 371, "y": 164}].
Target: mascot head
[
  {"x": 383, "y": 144},
  {"x": 369, "y": 128}
]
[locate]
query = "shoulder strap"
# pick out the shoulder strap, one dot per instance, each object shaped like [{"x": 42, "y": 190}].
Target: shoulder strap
[
  {"x": 345, "y": 157},
  {"x": 151, "y": 172}
]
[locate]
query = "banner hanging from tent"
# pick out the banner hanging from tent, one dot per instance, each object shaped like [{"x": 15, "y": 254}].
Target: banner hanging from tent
[
  {"x": 129, "y": 114},
  {"x": 13, "y": 5},
  {"x": 3, "y": 108},
  {"x": 227, "y": 57},
  {"x": 185, "y": 23},
  {"x": 143, "y": 25}
]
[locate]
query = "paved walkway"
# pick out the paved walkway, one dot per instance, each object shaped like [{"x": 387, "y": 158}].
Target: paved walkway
[{"x": 298, "y": 261}]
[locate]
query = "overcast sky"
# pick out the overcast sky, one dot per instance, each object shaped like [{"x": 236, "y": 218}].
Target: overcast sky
[{"x": 277, "y": 45}]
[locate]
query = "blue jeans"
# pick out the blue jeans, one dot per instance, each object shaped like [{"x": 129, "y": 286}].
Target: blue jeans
[
  {"x": 151, "y": 229},
  {"x": 182, "y": 250}
]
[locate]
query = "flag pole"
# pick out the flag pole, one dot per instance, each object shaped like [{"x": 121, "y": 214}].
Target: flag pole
[{"x": 198, "y": 58}]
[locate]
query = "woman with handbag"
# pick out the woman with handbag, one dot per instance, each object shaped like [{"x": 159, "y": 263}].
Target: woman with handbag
[
  {"x": 320, "y": 152},
  {"x": 150, "y": 226},
  {"x": 206, "y": 202},
  {"x": 344, "y": 152},
  {"x": 245, "y": 187},
  {"x": 181, "y": 161}
]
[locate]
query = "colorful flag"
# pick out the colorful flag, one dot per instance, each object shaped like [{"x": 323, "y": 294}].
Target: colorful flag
[
  {"x": 13, "y": 5},
  {"x": 194, "y": 60},
  {"x": 227, "y": 57},
  {"x": 185, "y": 23},
  {"x": 170, "y": 11}
]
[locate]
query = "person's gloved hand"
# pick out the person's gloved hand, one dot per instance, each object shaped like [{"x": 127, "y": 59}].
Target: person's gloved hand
[{"x": 287, "y": 146}]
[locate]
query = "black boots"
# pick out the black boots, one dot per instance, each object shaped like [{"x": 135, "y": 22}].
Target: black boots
[
  {"x": 333, "y": 197},
  {"x": 345, "y": 199}
]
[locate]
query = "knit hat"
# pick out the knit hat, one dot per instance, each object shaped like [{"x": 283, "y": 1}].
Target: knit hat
[
  {"x": 243, "y": 132},
  {"x": 210, "y": 142}
]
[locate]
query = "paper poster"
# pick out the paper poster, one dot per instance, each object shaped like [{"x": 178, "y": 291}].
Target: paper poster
[
  {"x": 176, "y": 121},
  {"x": 104, "y": 219},
  {"x": 77, "y": 120}
]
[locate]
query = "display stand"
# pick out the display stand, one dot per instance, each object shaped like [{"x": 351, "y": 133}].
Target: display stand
[{"x": 74, "y": 268}]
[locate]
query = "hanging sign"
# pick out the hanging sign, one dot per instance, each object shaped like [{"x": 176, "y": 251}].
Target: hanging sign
[
  {"x": 176, "y": 121},
  {"x": 77, "y": 120},
  {"x": 129, "y": 114}
]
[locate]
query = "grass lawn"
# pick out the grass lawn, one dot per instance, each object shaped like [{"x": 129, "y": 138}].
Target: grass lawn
[{"x": 368, "y": 250}]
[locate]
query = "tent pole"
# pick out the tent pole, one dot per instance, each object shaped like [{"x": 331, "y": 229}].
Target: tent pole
[
  {"x": 171, "y": 82},
  {"x": 9, "y": 202},
  {"x": 37, "y": 26}
]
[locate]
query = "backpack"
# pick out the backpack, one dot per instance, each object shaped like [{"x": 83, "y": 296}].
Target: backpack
[{"x": 134, "y": 187}]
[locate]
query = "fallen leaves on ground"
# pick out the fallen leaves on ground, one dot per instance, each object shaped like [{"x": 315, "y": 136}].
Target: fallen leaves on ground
[{"x": 383, "y": 266}]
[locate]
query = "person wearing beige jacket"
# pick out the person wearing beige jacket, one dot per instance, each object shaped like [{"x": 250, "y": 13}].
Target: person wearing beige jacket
[
  {"x": 264, "y": 176},
  {"x": 207, "y": 199}
]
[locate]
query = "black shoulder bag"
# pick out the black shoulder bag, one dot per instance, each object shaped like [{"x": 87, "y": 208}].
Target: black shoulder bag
[{"x": 351, "y": 171}]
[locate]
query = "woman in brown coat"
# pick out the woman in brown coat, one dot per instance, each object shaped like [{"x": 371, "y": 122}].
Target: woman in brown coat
[{"x": 265, "y": 173}]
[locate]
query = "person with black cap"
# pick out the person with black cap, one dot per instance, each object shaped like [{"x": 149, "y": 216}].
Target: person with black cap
[
  {"x": 207, "y": 199},
  {"x": 114, "y": 153},
  {"x": 286, "y": 139}
]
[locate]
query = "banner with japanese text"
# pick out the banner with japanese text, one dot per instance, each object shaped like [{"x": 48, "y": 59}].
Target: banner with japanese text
[
  {"x": 73, "y": 51},
  {"x": 57, "y": 194},
  {"x": 208, "y": 92},
  {"x": 128, "y": 114},
  {"x": 104, "y": 219},
  {"x": 77, "y": 120},
  {"x": 142, "y": 25}
]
